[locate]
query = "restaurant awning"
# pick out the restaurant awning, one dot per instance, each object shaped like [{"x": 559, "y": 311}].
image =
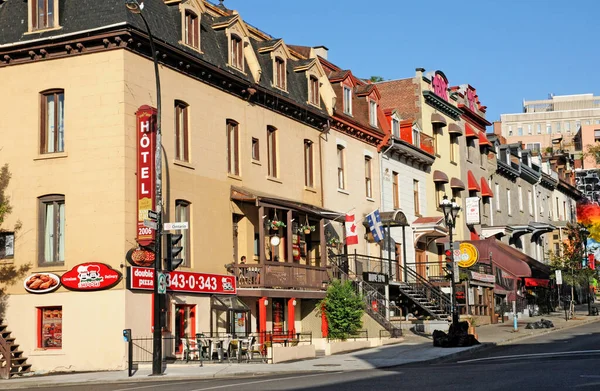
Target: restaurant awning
[
  {"x": 537, "y": 282},
  {"x": 483, "y": 140},
  {"x": 485, "y": 189},
  {"x": 519, "y": 230},
  {"x": 457, "y": 184},
  {"x": 395, "y": 218},
  {"x": 509, "y": 259},
  {"x": 428, "y": 227},
  {"x": 540, "y": 228},
  {"x": 499, "y": 231},
  {"x": 455, "y": 129},
  {"x": 469, "y": 131},
  {"x": 437, "y": 118},
  {"x": 472, "y": 182},
  {"x": 440, "y": 177}
]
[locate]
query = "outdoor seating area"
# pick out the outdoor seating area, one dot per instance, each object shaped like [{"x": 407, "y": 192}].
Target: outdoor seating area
[{"x": 218, "y": 348}]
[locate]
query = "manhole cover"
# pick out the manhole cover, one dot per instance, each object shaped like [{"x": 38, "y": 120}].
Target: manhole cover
[{"x": 326, "y": 365}]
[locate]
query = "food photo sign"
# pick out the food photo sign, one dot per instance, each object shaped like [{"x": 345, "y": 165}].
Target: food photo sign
[
  {"x": 91, "y": 276},
  {"x": 41, "y": 283}
]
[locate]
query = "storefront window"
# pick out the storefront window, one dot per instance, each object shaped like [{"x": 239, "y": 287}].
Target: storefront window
[{"x": 50, "y": 327}]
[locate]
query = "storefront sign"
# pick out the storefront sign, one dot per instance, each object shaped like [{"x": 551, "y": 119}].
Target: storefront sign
[
  {"x": 472, "y": 210},
  {"x": 440, "y": 85},
  {"x": 146, "y": 145},
  {"x": 143, "y": 278},
  {"x": 468, "y": 255},
  {"x": 41, "y": 283},
  {"x": 375, "y": 278},
  {"x": 483, "y": 277},
  {"x": 91, "y": 276},
  {"x": 140, "y": 257}
]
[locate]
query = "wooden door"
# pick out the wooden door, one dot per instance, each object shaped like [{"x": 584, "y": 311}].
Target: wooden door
[{"x": 421, "y": 260}]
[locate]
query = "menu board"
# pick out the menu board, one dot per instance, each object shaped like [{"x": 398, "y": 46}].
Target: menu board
[{"x": 51, "y": 327}]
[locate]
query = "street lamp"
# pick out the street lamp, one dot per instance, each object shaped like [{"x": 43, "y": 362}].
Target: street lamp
[
  {"x": 136, "y": 7},
  {"x": 451, "y": 209},
  {"x": 584, "y": 235}
]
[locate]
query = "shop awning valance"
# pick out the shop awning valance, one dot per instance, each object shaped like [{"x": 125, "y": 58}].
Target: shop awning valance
[
  {"x": 537, "y": 282},
  {"x": 510, "y": 260},
  {"x": 457, "y": 184},
  {"x": 470, "y": 131},
  {"x": 438, "y": 119},
  {"x": 432, "y": 227},
  {"x": 440, "y": 177},
  {"x": 485, "y": 188},
  {"x": 472, "y": 182},
  {"x": 455, "y": 129}
]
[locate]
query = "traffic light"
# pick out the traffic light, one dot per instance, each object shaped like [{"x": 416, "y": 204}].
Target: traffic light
[
  {"x": 172, "y": 251},
  {"x": 448, "y": 254}
]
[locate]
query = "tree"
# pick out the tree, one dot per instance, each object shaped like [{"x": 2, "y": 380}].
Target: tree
[
  {"x": 9, "y": 273},
  {"x": 343, "y": 308},
  {"x": 375, "y": 79},
  {"x": 593, "y": 151}
]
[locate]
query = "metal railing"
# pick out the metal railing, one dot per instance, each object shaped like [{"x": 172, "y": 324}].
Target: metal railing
[
  {"x": 359, "y": 334},
  {"x": 283, "y": 275}
]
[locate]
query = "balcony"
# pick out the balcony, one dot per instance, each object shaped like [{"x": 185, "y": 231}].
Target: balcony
[{"x": 281, "y": 275}]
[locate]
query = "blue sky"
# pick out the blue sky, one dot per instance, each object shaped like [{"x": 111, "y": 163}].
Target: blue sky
[{"x": 509, "y": 50}]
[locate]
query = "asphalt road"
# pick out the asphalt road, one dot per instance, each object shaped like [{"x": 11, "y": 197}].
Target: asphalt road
[{"x": 565, "y": 359}]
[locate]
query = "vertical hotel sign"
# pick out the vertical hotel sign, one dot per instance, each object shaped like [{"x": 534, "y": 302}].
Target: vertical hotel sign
[{"x": 146, "y": 146}]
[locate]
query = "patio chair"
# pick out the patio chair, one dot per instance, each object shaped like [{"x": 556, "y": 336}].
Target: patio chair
[
  {"x": 260, "y": 349},
  {"x": 188, "y": 350},
  {"x": 244, "y": 348}
]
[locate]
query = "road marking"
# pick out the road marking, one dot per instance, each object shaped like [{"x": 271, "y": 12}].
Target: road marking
[
  {"x": 264, "y": 381},
  {"x": 531, "y": 355},
  {"x": 154, "y": 385},
  {"x": 590, "y": 376}
]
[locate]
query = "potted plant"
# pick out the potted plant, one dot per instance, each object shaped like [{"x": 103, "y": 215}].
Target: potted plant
[
  {"x": 548, "y": 151},
  {"x": 307, "y": 229},
  {"x": 333, "y": 242},
  {"x": 275, "y": 224}
]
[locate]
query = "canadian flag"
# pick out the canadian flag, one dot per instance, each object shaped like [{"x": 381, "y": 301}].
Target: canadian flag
[{"x": 351, "y": 234}]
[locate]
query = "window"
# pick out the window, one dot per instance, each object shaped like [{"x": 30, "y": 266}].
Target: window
[
  {"x": 519, "y": 131},
  {"x": 509, "y": 203},
  {"x": 528, "y": 128},
  {"x": 439, "y": 193},
  {"x": 587, "y": 122},
  {"x": 347, "y": 100},
  {"x": 233, "y": 150},
  {"x": 368, "y": 184},
  {"x": 395, "y": 190},
  {"x": 340, "y": 167},
  {"x": 315, "y": 97},
  {"x": 52, "y": 229},
  {"x": 568, "y": 127},
  {"x": 557, "y": 127},
  {"x": 53, "y": 121},
  {"x": 395, "y": 128},
  {"x": 548, "y": 129},
  {"x": 236, "y": 55},
  {"x": 470, "y": 148},
  {"x": 538, "y": 128},
  {"x": 578, "y": 124},
  {"x": 43, "y": 14},
  {"x": 181, "y": 131},
  {"x": 191, "y": 29},
  {"x": 534, "y": 147},
  {"x": 182, "y": 215},
  {"x": 520, "y": 193},
  {"x": 596, "y": 135},
  {"x": 7, "y": 245},
  {"x": 280, "y": 73},
  {"x": 272, "y": 151},
  {"x": 530, "y": 201},
  {"x": 255, "y": 149},
  {"x": 453, "y": 144},
  {"x": 416, "y": 138},
  {"x": 543, "y": 200},
  {"x": 556, "y": 216},
  {"x": 416, "y": 197},
  {"x": 510, "y": 131},
  {"x": 49, "y": 327},
  {"x": 437, "y": 131},
  {"x": 497, "y": 193},
  {"x": 373, "y": 113},
  {"x": 597, "y": 122},
  {"x": 308, "y": 164}
]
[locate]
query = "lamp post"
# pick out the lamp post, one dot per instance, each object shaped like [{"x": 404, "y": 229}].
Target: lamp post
[
  {"x": 136, "y": 7},
  {"x": 584, "y": 235},
  {"x": 451, "y": 209}
]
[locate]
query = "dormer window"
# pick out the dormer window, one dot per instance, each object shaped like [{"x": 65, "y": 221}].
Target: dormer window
[
  {"x": 236, "y": 55},
  {"x": 280, "y": 73},
  {"x": 191, "y": 33},
  {"x": 347, "y": 100},
  {"x": 373, "y": 113},
  {"x": 395, "y": 128},
  {"x": 44, "y": 14},
  {"x": 313, "y": 91}
]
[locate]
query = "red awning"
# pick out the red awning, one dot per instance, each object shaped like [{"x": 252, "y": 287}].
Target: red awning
[
  {"x": 472, "y": 182},
  {"x": 469, "y": 131},
  {"x": 485, "y": 189},
  {"x": 537, "y": 282},
  {"x": 512, "y": 261},
  {"x": 483, "y": 139}
]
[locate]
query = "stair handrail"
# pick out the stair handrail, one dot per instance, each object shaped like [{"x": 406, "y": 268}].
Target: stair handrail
[{"x": 5, "y": 351}]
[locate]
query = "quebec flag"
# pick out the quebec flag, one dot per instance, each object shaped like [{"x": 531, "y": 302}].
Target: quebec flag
[{"x": 374, "y": 220}]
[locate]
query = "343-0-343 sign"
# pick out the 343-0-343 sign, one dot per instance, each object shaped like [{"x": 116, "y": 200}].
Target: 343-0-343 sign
[{"x": 143, "y": 278}]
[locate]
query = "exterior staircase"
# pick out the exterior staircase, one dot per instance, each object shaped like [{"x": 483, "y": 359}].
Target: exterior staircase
[
  {"x": 426, "y": 296},
  {"x": 12, "y": 361}
]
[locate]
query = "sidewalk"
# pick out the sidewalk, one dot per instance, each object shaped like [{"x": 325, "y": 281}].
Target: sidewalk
[{"x": 411, "y": 349}]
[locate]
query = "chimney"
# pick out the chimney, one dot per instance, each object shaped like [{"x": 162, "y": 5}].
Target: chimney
[{"x": 321, "y": 51}]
